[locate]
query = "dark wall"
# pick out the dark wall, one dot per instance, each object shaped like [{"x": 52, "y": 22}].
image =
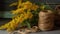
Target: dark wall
[
  {"x": 4, "y": 5},
  {"x": 52, "y": 3},
  {"x": 1, "y": 5}
]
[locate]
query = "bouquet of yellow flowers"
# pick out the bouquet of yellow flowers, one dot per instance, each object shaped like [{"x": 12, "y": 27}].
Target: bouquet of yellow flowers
[{"x": 26, "y": 14}]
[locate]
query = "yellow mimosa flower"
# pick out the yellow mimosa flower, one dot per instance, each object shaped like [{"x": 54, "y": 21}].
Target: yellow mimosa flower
[
  {"x": 26, "y": 16},
  {"x": 9, "y": 29},
  {"x": 42, "y": 7},
  {"x": 12, "y": 27},
  {"x": 27, "y": 5},
  {"x": 34, "y": 7},
  {"x": 21, "y": 20},
  {"x": 21, "y": 10},
  {"x": 13, "y": 4},
  {"x": 19, "y": 4},
  {"x": 29, "y": 14}
]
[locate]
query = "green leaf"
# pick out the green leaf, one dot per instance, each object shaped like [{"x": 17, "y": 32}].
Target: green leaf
[{"x": 28, "y": 24}]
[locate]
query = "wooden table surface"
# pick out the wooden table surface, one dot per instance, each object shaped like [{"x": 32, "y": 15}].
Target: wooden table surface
[{"x": 47, "y": 32}]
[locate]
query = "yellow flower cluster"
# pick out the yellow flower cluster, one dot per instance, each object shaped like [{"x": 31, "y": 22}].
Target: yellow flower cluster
[
  {"x": 20, "y": 10},
  {"x": 21, "y": 15}
]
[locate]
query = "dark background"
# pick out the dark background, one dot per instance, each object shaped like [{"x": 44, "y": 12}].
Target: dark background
[{"x": 4, "y": 4}]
